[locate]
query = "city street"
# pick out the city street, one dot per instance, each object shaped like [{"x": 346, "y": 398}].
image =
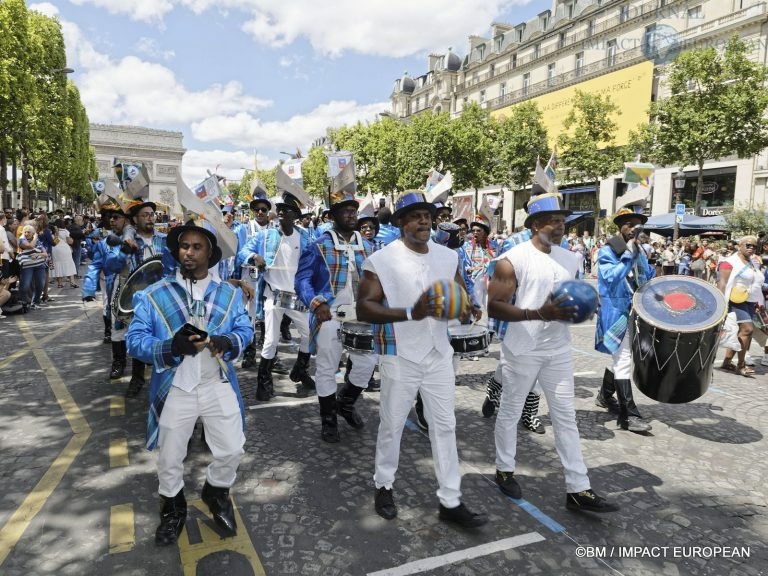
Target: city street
[{"x": 79, "y": 491}]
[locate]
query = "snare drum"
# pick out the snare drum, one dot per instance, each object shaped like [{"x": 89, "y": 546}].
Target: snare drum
[
  {"x": 149, "y": 272},
  {"x": 674, "y": 329},
  {"x": 356, "y": 337},
  {"x": 469, "y": 339},
  {"x": 288, "y": 300}
]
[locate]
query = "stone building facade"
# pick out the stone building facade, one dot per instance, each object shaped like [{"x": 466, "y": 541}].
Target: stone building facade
[{"x": 615, "y": 47}]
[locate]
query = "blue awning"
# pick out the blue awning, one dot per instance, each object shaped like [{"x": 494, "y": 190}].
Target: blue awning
[{"x": 577, "y": 190}]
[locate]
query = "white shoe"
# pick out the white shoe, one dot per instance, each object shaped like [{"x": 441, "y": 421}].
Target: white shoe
[
  {"x": 748, "y": 360},
  {"x": 764, "y": 361}
]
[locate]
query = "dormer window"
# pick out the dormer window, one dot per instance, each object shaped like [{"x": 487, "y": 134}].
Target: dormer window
[
  {"x": 481, "y": 51},
  {"x": 519, "y": 32},
  {"x": 544, "y": 22},
  {"x": 499, "y": 42}
]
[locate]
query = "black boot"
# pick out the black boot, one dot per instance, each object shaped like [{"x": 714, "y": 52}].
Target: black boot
[
  {"x": 347, "y": 368},
  {"x": 118, "y": 360},
  {"x": 220, "y": 505},
  {"x": 249, "y": 355},
  {"x": 137, "y": 378},
  {"x": 278, "y": 367},
  {"x": 259, "y": 334},
  {"x": 173, "y": 515},
  {"x": 530, "y": 419},
  {"x": 300, "y": 373},
  {"x": 265, "y": 387},
  {"x": 107, "y": 329},
  {"x": 346, "y": 399},
  {"x": 330, "y": 430},
  {"x": 285, "y": 330},
  {"x": 492, "y": 397},
  {"x": 629, "y": 415},
  {"x": 604, "y": 397}
]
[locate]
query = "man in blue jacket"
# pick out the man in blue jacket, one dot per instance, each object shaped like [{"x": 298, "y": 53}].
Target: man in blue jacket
[{"x": 622, "y": 268}]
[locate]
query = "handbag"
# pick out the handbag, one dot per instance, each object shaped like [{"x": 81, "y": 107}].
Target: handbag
[{"x": 739, "y": 293}]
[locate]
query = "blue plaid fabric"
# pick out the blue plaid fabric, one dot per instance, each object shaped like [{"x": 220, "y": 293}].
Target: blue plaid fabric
[{"x": 159, "y": 312}]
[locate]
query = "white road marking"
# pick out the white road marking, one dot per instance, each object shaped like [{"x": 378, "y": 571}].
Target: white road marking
[{"x": 435, "y": 562}]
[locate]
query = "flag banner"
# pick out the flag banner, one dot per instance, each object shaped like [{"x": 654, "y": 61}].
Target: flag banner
[
  {"x": 337, "y": 161},
  {"x": 493, "y": 201},
  {"x": 541, "y": 178},
  {"x": 551, "y": 168},
  {"x": 292, "y": 167},
  {"x": 439, "y": 192},
  {"x": 638, "y": 173},
  {"x": 345, "y": 180},
  {"x": 133, "y": 178},
  {"x": 486, "y": 211},
  {"x": 286, "y": 184},
  {"x": 258, "y": 190},
  {"x": 209, "y": 212},
  {"x": 462, "y": 208},
  {"x": 367, "y": 206},
  {"x": 432, "y": 180},
  {"x": 98, "y": 187},
  {"x": 208, "y": 190}
]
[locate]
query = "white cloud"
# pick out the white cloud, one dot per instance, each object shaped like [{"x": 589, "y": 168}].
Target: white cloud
[
  {"x": 243, "y": 129},
  {"x": 151, "y": 11},
  {"x": 286, "y": 61},
  {"x": 150, "y": 47},
  {"x": 232, "y": 165}
]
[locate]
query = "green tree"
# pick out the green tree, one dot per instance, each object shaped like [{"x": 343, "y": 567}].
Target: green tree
[
  {"x": 588, "y": 146},
  {"x": 716, "y": 108},
  {"x": 472, "y": 159},
  {"x": 315, "y": 172},
  {"x": 519, "y": 139},
  {"x": 744, "y": 221},
  {"x": 385, "y": 138},
  {"x": 427, "y": 141}
]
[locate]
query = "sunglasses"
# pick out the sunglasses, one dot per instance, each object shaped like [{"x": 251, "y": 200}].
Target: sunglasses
[{"x": 261, "y": 209}]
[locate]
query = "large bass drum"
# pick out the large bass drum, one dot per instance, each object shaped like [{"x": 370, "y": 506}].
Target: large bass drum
[
  {"x": 149, "y": 272},
  {"x": 674, "y": 329}
]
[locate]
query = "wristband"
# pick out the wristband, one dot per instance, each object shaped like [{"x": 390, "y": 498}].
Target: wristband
[
  {"x": 540, "y": 315},
  {"x": 409, "y": 313}
]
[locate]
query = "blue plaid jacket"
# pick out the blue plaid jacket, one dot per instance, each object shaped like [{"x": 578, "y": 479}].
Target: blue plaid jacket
[
  {"x": 322, "y": 273},
  {"x": 159, "y": 312}
]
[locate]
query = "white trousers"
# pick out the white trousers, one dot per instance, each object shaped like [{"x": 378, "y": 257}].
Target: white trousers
[
  {"x": 497, "y": 375},
  {"x": 622, "y": 360},
  {"x": 273, "y": 316},
  {"x": 329, "y": 351},
  {"x": 216, "y": 404},
  {"x": 555, "y": 376},
  {"x": 400, "y": 381}
]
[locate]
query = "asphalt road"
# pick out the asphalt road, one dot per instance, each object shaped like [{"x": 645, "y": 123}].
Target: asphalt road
[{"x": 78, "y": 492}]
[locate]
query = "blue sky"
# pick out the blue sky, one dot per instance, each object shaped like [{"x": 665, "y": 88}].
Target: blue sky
[{"x": 236, "y": 76}]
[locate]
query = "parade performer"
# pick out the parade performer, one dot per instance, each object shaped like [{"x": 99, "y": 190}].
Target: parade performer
[
  {"x": 327, "y": 278},
  {"x": 537, "y": 345},
  {"x": 416, "y": 353},
  {"x": 622, "y": 268},
  {"x": 276, "y": 252},
  {"x": 148, "y": 243},
  {"x": 110, "y": 256},
  {"x": 260, "y": 207},
  {"x": 190, "y": 327}
]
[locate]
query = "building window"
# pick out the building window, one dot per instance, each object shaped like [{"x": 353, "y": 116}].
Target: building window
[
  {"x": 590, "y": 28},
  {"x": 499, "y": 42},
  {"x": 569, "y": 10},
  {"x": 579, "y": 63},
  {"x": 464, "y": 102},
  {"x": 513, "y": 61},
  {"x": 693, "y": 15},
  {"x": 623, "y": 14},
  {"x": 550, "y": 74},
  {"x": 481, "y": 51},
  {"x": 502, "y": 89},
  {"x": 536, "y": 50},
  {"x": 491, "y": 70},
  {"x": 475, "y": 79},
  {"x": 526, "y": 82},
  {"x": 418, "y": 101},
  {"x": 561, "y": 40},
  {"x": 520, "y": 34},
  {"x": 482, "y": 96},
  {"x": 613, "y": 49},
  {"x": 544, "y": 22}
]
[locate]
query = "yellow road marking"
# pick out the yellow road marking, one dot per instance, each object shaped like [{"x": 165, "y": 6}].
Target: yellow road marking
[
  {"x": 192, "y": 553},
  {"x": 117, "y": 406},
  {"x": 122, "y": 537},
  {"x": 22, "y": 517},
  {"x": 118, "y": 453},
  {"x": 24, "y": 350}
]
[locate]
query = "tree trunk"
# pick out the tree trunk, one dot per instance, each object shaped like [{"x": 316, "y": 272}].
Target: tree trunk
[
  {"x": 596, "y": 232},
  {"x": 4, "y": 180},
  {"x": 699, "y": 189}
]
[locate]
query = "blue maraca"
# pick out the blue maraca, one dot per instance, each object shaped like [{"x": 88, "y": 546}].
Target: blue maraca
[{"x": 579, "y": 294}]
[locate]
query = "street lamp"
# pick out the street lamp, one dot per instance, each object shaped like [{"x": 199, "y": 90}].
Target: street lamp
[{"x": 679, "y": 185}]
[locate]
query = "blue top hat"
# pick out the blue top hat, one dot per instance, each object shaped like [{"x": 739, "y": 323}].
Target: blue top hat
[
  {"x": 544, "y": 205},
  {"x": 259, "y": 199},
  {"x": 412, "y": 200}
]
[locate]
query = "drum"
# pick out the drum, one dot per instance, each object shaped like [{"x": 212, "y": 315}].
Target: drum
[
  {"x": 674, "y": 332},
  {"x": 288, "y": 300},
  {"x": 356, "y": 337},
  {"x": 149, "y": 272},
  {"x": 469, "y": 339}
]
